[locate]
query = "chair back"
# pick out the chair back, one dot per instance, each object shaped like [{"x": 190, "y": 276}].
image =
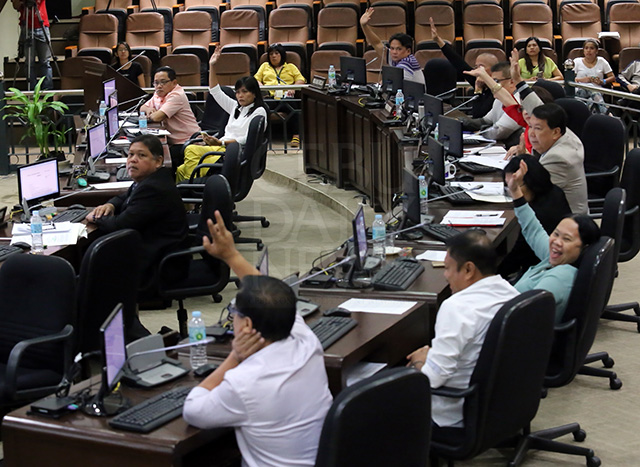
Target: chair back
[
  {"x": 98, "y": 36},
  {"x": 613, "y": 213},
  {"x": 624, "y": 18},
  {"x": 239, "y": 27},
  {"x": 215, "y": 118},
  {"x": 556, "y": 91},
  {"x": 382, "y": 420},
  {"x": 146, "y": 64},
  {"x": 145, "y": 31},
  {"x": 73, "y": 71},
  {"x": 483, "y": 26},
  {"x": 321, "y": 60},
  {"x": 388, "y": 19},
  {"x": 440, "y": 76},
  {"x": 186, "y": 66},
  {"x": 577, "y": 331},
  {"x": 216, "y": 197},
  {"x": 337, "y": 29},
  {"x": 443, "y": 17},
  {"x": 532, "y": 20},
  {"x": 109, "y": 274},
  {"x": 630, "y": 242},
  {"x": 231, "y": 67},
  {"x": 577, "y": 113},
  {"x": 603, "y": 138}
]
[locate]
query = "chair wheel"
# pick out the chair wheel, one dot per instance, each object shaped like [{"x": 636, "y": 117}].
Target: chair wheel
[
  {"x": 593, "y": 461},
  {"x": 260, "y": 246},
  {"x": 638, "y": 327},
  {"x": 608, "y": 362},
  {"x": 580, "y": 435},
  {"x": 217, "y": 298},
  {"x": 265, "y": 223},
  {"x": 615, "y": 383}
]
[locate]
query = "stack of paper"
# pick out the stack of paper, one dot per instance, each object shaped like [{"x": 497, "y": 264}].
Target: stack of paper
[
  {"x": 53, "y": 234},
  {"x": 458, "y": 218},
  {"x": 491, "y": 192}
]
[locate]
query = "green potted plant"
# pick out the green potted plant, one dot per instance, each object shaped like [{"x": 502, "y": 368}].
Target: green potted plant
[{"x": 36, "y": 113}]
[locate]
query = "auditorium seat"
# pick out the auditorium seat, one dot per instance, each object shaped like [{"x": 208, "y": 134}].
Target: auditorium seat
[
  {"x": 472, "y": 54},
  {"x": 290, "y": 27},
  {"x": 321, "y": 60},
  {"x": 73, "y": 71},
  {"x": 577, "y": 52},
  {"x": 444, "y": 19},
  {"x": 239, "y": 32},
  {"x": 624, "y": 18},
  {"x": 260, "y": 7},
  {"x": 145, "y": 31},
  {"x": 628, "y": 55},
  {"x": 483, "y": 26},
  {"x": 210, "y": 6},
  {"x": 117, "y": 8},
  {"x": 192, "y": 34},
  {"x": 98, "y": 36},
  {"x": 388, "y": 20},
  {"x": 163, "y": 7},
  {"x": 545, "y": 50},
  {"x": 337, "y": 29},
  {"x": 306, "y": 5},
  {"x": 424, "y": 55},
  {"x": 561, "y": 3},
  {"x": 353, "y": 4},
  {"x": 374, "y": 65},
  {"x": 232, "y": 66},
  {"x": 147, "y": 68},
  {"x": 531, "y": 19},
  {"x": 578, "y": 21},
  {"x": 186, "y": 66}
]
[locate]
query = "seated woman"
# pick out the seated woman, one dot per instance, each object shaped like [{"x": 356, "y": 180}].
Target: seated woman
[
  {"x": 557, "y": 252},
  {"x": 277, "y": 71},
  {"x": 249, "y": 104},
  {"x": 593, "y": 69},
  {"x": 535, "y": 64},
  {"x": 548, "y": 203},
  {"x": 132, "y": 71},
  {"x": 399, "y": 50}
]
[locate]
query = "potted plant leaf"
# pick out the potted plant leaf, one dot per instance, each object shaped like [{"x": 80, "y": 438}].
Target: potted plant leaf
[{"x": 37, "y": 113}]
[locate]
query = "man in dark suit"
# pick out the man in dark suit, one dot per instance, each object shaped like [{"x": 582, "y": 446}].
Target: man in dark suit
[{"x": 152, "y": 206}]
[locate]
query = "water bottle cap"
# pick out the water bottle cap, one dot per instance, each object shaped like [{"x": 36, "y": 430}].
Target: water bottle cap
[
  {"x": 35, "y": 213},
  {"x": 420, "y": 177},
  {"x": 196, "y": 314},
  {"x": 378, "y": 216}
]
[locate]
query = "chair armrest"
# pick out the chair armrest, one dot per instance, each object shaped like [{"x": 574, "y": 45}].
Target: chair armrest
[
  {"x": 455, "y": 393},
  {"x": 565, "y": 327},
  {"x": 87, "y": 10},
  {"x": 13, "y": 363},
  {"x": 179, "y": 254},
  {"x": 70, "y": 51},
  {"x": 607, "y": 173}
]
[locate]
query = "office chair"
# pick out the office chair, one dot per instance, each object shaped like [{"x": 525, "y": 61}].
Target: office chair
[
  {"x": 440, "y": 77},
  {"x": 506, "y": 385},
  {"x": 382, "y": 420},
  {"x": 577, "y": 113},
  {"x": 109, "y": 274},
  {"x": 556, "y": 90},
  {"x": 206, "y": 275},
  {"x": 36, "y": 315}
]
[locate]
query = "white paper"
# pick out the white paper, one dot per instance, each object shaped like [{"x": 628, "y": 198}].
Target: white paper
[
  {"x": 488, "y": 188},
  {"x": 112, "y": 185},
  {"x": 486, "y": 160},
  {"x": 472, "y": 218},
  {"x": 477, "y": 137},
  {"x": 490, "y": 198},
  {"x": 432, "y": 255},
  {"x": 390, "y": 307},
  {"x": 116, "y": 160},
  {"x": 55, "y": 237},
  {"x": 25, "y": 228},
  {"x": 362, "y": 370},
  {"x": 149, "y": 131}
]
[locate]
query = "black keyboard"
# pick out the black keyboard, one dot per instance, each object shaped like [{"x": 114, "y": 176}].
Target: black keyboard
[
  {"x": 473, "y": 141},
  {"x": 458, "y": 195},
  {"x": 9, "y": 250},
  {"x": 397, "y": 275},
  {"x": 330, "y": 329},
  {"x": 441, "y": 232},
  {"x": 152, "y": 413},
  {"x": 475, "y": 168},
  {"x": 71, "y": 215}
]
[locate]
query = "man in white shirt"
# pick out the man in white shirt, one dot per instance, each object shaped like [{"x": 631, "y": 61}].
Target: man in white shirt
[
  {"x": 273, "y": 387},
  {"x": 461, "y": 323}
]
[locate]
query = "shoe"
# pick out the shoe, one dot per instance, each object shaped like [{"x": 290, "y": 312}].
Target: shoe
[{"x": 295, "y": 142}]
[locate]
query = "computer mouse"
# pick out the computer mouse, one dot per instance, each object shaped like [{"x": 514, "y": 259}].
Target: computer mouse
[
  {"x": 24, "y": 245},
  {"x": 466, "y": 178},
  {"x": 336, "y": 312},
  {"x": 409, "y": 259},
  {"x": 77, "y": 206}
]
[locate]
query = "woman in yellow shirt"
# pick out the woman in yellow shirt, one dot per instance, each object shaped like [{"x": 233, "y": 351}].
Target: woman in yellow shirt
[
  {"x": 535, "y": 64},
  {"x": 276, "y": 71}
]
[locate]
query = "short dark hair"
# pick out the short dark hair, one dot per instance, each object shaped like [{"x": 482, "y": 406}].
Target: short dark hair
[
  {"x": 153, "y": 144},
  {"x": 171, "y": 73},
  {"x": 473, "y": 245},
  {"x": 271, "y": 305},
  {"x": 251, "y": 85},
  {"x": 502, "y": 67},
  {"x": 405, "y": 39},
  {"x": 281, "y": 50},
  {"x": 553, "y": 114},
  {"x": 537, "y": 178}
]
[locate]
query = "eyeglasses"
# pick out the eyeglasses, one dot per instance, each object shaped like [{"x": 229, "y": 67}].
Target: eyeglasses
[
  {"x": 161, "y": 83},
  {"x": 233, "y": 310},
  {"x": 499, "y": 80}
]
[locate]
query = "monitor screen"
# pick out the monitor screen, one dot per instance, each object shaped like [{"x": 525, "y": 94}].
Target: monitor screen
[
  {"x": 38, "y": 181},
  {"x": 432, "y": 110},
  {"x": 112, "y": 121},
  {"x": 353, "y": 70},
  {"x": 359, "y": 239},
  {"x": 450, "y": 135},
  {"x": 115, "y": 356},
  {"x": 108, "y": 87},
  {"x": 97, "y": 140},
  {"x": 436, "y": 154},
  {"x": 411, "y": 202},
  {"x": 263, "y": 263},
  {"x": 392, "y": 78},
  {"x": 113, "y": 99},
  {"x": 413, "y": 93}
]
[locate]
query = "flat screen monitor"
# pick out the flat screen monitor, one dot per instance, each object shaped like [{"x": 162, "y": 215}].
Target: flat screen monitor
[
  {"x": 450, "y": 135},
  {"x": 38, "y": 182},
  {"x": 112, "y": 121},
  {"x": 96, "y": 137},
  {"x": 113, "y": 99},
  {"x": 108, "y": 86},
  {"x": 392, "y": 78},
  {"x": 353, "y": 70},
  {"x": 263, "y": 263},
  {"x": 115, "y": 355},
  {"x": 411, "y": 202},
  {"x": 413, "y": 93},
  {"x": 436, "y": 154},
  {"x": 359, "y": 239},
  {"x": 432, "y": 110}
]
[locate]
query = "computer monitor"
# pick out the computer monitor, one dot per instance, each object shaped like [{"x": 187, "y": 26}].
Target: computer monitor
[
  {"x": 97, "y": 141},
  {"x": 432, "y": 110},
  {"x": 112, "y": 121},
  {"x": 113, "y": 99},
  {"x": 38, "y": 182},
  {"x": 450, "y": 135},
  {"x": 436, "y": 154},
  {"x": 359, "y": 239},
  {"x": 353, "y": 70},
  {"x": 108, "y": 86},
  {"x": 413, "y": 93},
  {"x": 411, "y": 201},
  {"x": 263, "y": 263},
  {"x": 392, "y": 79}
]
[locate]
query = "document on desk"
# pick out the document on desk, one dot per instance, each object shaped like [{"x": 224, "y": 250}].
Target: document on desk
[
  {"x": 112, "y": 185},
  {"x": 460, "y": 218},
  {"x": 493, "y": 159},
  {"x": 432, "y": 255},
  {"x": 116, "y": 160},
  {"x": 53, "y": 234},
  {"x": 150, "y": 131},
  {"x": 491, "y": 192},
  {"x": 390, "y": 307}
]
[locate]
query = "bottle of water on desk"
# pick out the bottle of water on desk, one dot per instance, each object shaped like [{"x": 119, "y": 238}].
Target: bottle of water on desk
[
  {"x": 142, "y": 121},
  {"x": 399, "y": 102},
  {"x": 102, "y": 109},
  {"x": 197, "y": 332},
  {"x": 36, "y": 233},
  {"x": 379, "y": 232},
  {"x": 332, "y": 76},
  {"x": 423, "y": 190}
]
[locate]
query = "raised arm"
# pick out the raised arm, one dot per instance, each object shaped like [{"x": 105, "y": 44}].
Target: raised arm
[
  {"x": 369, "y": 33},
  {"x": 213, "y": 78}
]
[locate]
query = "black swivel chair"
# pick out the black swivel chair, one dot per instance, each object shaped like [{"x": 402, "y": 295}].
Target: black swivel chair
[
  {"x": 109, "y": 274},
  {"x": 555, "y": 89},
  {"x": 577, "y": 113},
  {"x": 506, "y": 385},
  {"x": 207, "y": 275},
  {"x": 36, "y": 315},
  {"x": 382, "y": 420},
  {"x": 440, "y": 77}
]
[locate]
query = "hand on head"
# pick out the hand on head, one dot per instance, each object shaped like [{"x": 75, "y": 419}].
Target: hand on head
[{"x": 246, "y": 342}]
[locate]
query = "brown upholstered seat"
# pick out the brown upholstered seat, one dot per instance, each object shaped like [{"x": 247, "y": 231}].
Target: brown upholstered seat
[
  {"x": 628, "y": 55},
  {"x": 337, "y": 29},
  {"x": 192, "y": 34},
  {"x": 472, "y": 54},
  {"x": 212, "y": 7},
  {"x": 290, "y": 27},
  {"x": 260, "y": 7},
  {"x": 232, "y": 66},
  {"x": 98, "y": 36},
  {"x": 73, "y": 69},
  {"x": 117, "y": 8},
  {"x": 321, "y": 60},
  {"x": 145, "y": 31},
  {"x": 239, "y": 32},
  {"x": 444, "y": 19},
  {"x": 374, "y": 65},
  {"x": 483, "y": 26},
  {"x": 388, "y": 20},
  {"x": 147, "y": 68},
  {"x": 163, "y": 7},
  {"x": 624, "y": 18},
  {"x": 532, "y": 19},
  {"x": 424, "y": 55},
  {"x": 186, "y": 66}
]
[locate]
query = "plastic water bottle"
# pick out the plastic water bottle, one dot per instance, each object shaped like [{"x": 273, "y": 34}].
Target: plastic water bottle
[
  {"x": 423, "y": 189},
  {"x": 399, "y": 102},
  {"x": 197, "y": 332},
  {"x": 379, "y": 232},
  {"x": 332, "y": 76},
  {"x": 103, "y": 108},
  {"x": 36, "y": 233},
  {"x": 142, "y": 121}
]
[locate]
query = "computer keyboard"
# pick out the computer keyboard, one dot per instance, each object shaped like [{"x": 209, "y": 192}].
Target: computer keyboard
[
  {"x": 441, "y": 232},
  {"x": 471, "y": 140},
  {"x": 458, "y": 195},
  {"x": 330, "y": 329},
  {"x": 397, "y": 275},
  {"x": 152, "y": 413},
  {"x": 475, "y": 168},
  {"x": 71, "y": 215},
  {"x": 9, "y": 250}
]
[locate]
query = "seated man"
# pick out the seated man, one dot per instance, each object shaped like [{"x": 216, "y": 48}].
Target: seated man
[
  {"x": 272, "y": 388},
  {"x": 170, "y": 106},
  {"x": 461, "y": 323},
  {"x": 152, "y": 206},
  {"x": 630, "y": 79}
]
